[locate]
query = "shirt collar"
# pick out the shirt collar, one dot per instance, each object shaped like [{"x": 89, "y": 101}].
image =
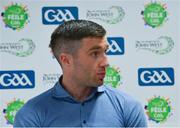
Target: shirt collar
[{"x": 60, "y": 92}]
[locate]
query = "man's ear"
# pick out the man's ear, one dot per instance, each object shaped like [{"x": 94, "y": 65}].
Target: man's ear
[{"x": 65, "y": 59}]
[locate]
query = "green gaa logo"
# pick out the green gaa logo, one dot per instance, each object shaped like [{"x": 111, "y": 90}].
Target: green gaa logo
[
  {"x": 11, "y": 110},
  {"x": 15, "y": 16},
  {"x": 158, "y": 109},
  {"x": 154, "y": 14},
  {"x": 113, "y": 77}
]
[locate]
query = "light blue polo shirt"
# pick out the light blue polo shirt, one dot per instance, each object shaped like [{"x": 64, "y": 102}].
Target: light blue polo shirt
[{"x": 105, "y": 107}]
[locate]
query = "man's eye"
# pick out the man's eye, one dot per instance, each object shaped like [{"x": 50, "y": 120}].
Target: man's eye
[{"x": 95, "y": 54}]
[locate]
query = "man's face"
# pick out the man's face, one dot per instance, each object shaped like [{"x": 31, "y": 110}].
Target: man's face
[{"x": 90, "y": 62}]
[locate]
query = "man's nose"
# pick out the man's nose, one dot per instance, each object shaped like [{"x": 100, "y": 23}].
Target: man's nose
[{"x": 104, "y": 62}]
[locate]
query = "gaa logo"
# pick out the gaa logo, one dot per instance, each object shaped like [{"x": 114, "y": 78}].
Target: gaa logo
[
  {"x": 116, "y": 46},
  {"x": 17, "y": 79},
  {"x": 57, "y": 15},
  {"x": 156, "y": 76}
]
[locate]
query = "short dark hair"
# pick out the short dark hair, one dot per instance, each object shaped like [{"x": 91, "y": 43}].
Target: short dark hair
[{"x": 67, "y": 36}]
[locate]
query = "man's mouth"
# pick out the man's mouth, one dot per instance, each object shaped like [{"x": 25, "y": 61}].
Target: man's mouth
[{"x": 101, "y": 75}]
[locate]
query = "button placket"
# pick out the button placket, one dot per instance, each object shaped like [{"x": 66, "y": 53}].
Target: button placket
[
  {"x": 82, "y": 103},
  {"x": 83, "y": 114},
  {"x": 84, "y": 121}
]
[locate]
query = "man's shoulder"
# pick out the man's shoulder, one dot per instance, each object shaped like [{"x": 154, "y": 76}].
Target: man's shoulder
[
  {"x": 116, "y": 92},
  {"x": 33, "y": 108},
  {"x": 120, "y": 95},
  {"x": 40, "y": 100}
]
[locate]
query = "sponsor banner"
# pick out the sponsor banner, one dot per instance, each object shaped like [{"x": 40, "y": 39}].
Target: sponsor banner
[
  {"x": 156, "y": 76},
  {"x": 143, "y": 40},
  {"x": 50, "y": 78},
  {"x": 113, "y": 76},
  {"x": 57, "y": 15},
  {"x": 116, "y": 46},
  {"x": 11, "y": 110},
  {"x": 160, "y": 46},
  {"x": 112, "y": 15},
  {"x": 158, "y": 109},
  {"x": 155, "y": 14},
  {"x": 15, "y": 16},
  {"x": 19, "y": 79},
  {"x": 22, "y": 48}
]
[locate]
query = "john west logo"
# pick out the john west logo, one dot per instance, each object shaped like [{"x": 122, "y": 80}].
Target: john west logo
[
  {"x": 50, "y": 78},
  {"x": 17, "y": 79},
  {"x": 57, "y": 15},
  {"x": 160, "y": 46},
  {"x": 116, "y": 46},
  {"x": 156, "y": 76},
  {"x": 22, "y": 48},
  {"x": 112, "y": 15}
]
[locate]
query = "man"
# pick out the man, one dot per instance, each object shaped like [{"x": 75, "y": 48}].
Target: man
[{"x": 79, "y": 98}]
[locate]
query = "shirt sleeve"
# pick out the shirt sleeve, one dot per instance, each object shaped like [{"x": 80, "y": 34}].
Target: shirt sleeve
[{"x": 134, "y": 115}]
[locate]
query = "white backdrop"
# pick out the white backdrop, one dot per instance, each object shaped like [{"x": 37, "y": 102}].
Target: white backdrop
[{"x": 137, "y": 47}]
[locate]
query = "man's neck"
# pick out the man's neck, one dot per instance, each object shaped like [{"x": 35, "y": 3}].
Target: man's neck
[{"x": 80, "y": 93}]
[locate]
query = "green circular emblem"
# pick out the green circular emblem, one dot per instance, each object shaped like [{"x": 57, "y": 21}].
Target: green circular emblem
[
  {"x": 11, "y": 110},
  {"x": 158, "y": 109},
  {"x": 117, "y": 15},
  {"x": 29, "y": 50},
  {"x": 154, "y": 14},
  {"x": 112, "y": 77},
  {"x": 168, "y": 48},
  {"x": 15, "y": 16}
]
